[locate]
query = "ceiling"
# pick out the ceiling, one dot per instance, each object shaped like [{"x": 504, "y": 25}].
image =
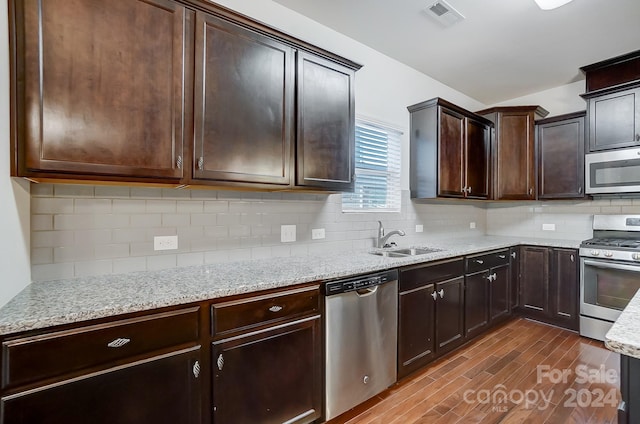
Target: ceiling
[{"x": 503, "y": 49}]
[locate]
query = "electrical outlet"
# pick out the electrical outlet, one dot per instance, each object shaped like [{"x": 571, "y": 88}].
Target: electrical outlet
[
  {"x": 419, "y": 228},
  {"x": 165, "y": 242},
  {"x": 317, "y": 233},
  {"x": 472, "y": 225},
  {"x": 287, "y": 233},
  {"x": 548, "y": 227}
]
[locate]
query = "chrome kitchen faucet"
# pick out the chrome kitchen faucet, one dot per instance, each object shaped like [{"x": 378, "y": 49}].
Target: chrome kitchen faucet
[{"x": 381, "y": 240}]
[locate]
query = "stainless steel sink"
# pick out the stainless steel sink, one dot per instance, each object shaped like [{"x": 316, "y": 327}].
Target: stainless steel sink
[{"x": 403, "y": 253}]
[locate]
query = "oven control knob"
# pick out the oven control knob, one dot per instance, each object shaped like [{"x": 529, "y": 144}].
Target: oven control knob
[
  {"x": 608, "y": 254},
  {"x": 595, "y": 253},
  {"x": 636, "y": 256}
]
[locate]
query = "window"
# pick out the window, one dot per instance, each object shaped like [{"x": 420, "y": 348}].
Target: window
[{"x": 377, "y": 185}]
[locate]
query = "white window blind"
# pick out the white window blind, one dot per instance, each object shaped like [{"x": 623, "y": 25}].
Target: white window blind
[{"x": 377, "y": 185}]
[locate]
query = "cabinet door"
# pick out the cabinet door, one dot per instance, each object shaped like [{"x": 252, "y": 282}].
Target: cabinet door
[
  {"x": 563, "y": 297},
  {"x": 416, "y": 342},
  {"x": 451, "y": 158},
  {"x": 326, "y": 124},
  {"x": 271, "y": 376},
  {"x": 476, "y": 303},
  {"x": 164, "y": 389},
  {"x": 514, "y": 263},
  {"x": 561, "y": 159},
  {"x": 534, "y": 280},
  {"x": 514, "y": 173},
  {"x": 614, "y": 120},
  {"x": 478, "y": 144},
  {"x": 243, "y": 104},
  {"x": 449, "y": 314},
  {"x": 106, "y": 87},
  {"x": 499, "y": 289}
]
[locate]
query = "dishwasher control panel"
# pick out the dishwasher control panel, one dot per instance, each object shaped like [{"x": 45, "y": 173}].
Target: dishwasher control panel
[{"x": 358, "y": 283}]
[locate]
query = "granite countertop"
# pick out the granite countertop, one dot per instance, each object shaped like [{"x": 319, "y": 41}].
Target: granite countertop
[
  {"x": 624, "y": 335},
  {"x": 46, "y": 304}
]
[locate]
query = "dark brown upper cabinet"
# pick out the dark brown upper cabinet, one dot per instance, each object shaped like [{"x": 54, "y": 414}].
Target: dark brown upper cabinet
[
  {"x": 613, "y": 102},
  {"x": 101, "y": 89},
  {"x": 614, "y": 119},
  {"x": 244, "y": 98},
  {"x": 139, "y": 91},
  {"x": 513, "y": 151},
  {"x": 325, "y": 124},
  {"x": 450, "y": 151},
  {"x": 561, "y": 145}
]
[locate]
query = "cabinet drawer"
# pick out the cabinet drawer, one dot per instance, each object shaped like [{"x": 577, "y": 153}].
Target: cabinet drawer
[
  {"x": 488, "y": 260},
  {"x": 49, "y": 355},
  {"x": 412, "y": 278},
  {"x": 250, "y": 312}
]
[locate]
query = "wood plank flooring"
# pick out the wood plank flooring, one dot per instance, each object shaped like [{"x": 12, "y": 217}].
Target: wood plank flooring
[{"x": 522, "y": 372}]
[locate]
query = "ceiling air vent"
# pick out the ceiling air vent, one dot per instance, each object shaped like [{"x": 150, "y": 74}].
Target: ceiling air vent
[{"x": 444, "y": 13}]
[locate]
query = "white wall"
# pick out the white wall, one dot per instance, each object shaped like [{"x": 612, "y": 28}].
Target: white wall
[
  {"x": 14, "y": 195},
  {"x": 558, "y": 100}
]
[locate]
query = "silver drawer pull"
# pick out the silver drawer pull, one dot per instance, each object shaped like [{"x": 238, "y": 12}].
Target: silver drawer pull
[
  {"x": 275, "y": 308},
  {"x": 196, "y": 369},
  {"x": 441, "y": 293},
  {"x": 479, "y": 261},
  {"x": 502, "y": 256},
  {"x": 119, "y": 342}
]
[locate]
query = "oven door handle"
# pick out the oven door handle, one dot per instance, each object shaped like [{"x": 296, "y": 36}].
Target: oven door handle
[{"x": 607, "y": 265}]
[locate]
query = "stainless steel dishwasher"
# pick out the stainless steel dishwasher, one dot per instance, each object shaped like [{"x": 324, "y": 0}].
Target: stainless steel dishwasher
[{"x": 361, "y": 332}]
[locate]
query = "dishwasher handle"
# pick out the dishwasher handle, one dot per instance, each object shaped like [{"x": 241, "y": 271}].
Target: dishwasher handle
[{"x": 367, "y": 292}]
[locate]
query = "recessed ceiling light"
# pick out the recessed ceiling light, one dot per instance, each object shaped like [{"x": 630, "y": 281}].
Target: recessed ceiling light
[{"x": 551, "y": 4}]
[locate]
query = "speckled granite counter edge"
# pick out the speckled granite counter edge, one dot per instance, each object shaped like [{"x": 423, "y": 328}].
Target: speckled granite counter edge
[
  {"x": 46, "y": 304},
  {"x": 624, "y": 335}
]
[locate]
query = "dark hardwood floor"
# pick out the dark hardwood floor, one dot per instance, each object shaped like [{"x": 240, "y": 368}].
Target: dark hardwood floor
[{"x": 521, "y": 372}]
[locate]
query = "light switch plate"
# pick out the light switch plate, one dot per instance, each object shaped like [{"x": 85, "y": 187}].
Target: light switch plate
[
  {"x": 287, "y": 233},
  {"x": 165, "y": 243},
  {"x": 419, "y": 228},
  {"x": 472, "y": 225},
  {"x": 548, "y": 227},
  {"x": 317, "y": 233}
]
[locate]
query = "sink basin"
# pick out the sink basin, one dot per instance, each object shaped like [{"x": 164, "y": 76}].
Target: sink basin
[{"x": 403, "y": 253}]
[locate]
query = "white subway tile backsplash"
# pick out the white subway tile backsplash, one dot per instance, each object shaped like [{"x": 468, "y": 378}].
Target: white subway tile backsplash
[
  {"x": 155, "y": 263},
  {"x": 99, "y": 267},
  {"x": 110, "y": 229},
  {"x": 124, "y": 265},
  {"x": 41, "y": 222},
  {"x": 49, "y": 272},
  {"x": 51, "y": 205},
  {"x": 92, "y": 206}
]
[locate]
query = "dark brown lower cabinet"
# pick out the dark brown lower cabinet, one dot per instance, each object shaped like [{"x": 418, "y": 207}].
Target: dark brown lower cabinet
[
  {"x": 549, "y": 285},
  {"x": 488, "y": 280},
  {"x": 431, "y": 313},
  {"x": 163, "y": 389},
  {"x": 514, "y": 261},
  {"x": 269, "y": 376}
]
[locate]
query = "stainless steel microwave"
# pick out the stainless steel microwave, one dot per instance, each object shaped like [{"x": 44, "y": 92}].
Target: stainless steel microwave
[{"x": 613, "y": 171}]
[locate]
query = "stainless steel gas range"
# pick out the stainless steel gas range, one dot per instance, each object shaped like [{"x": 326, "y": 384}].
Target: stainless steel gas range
[{"x": 609, "y": 272}]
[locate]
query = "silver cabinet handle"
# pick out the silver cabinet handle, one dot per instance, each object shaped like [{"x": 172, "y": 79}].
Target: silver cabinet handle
[
  {"x": 579, "y": 190},
  {"x": 530, "y": 191},
  {"x": 201, "y": 163},
  {"x": 119, "y": 342},
  {"x": 179, "y": 162},
  {"x": 479, "y": 261},
  {"x": 441, "y": 293},
  {"x": 275, "y": 308},
  {"x": 513, "y": 255},
  {"x": 495, "y": 276},
  {"x": 490, "y": 277},
  {"x": 502, "y": 256},
  {"x": 469, "y": 190},
  {"x": 434, "y": 295},
  {"x": 572, "y": 259},
  {"x": 220, "y": 362},
  {"x": 196, "y": 369}
]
